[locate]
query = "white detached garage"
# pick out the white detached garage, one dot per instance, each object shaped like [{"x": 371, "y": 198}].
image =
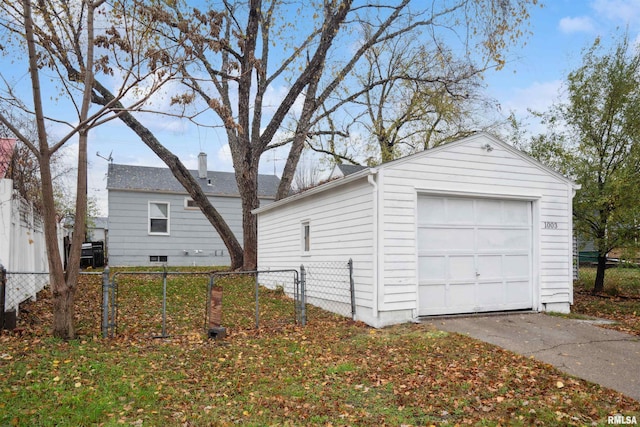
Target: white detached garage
[{"x": 468, "y": 227}]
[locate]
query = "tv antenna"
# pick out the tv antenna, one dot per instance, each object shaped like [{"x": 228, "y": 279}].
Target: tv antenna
[{"x": 108, "y": 159}]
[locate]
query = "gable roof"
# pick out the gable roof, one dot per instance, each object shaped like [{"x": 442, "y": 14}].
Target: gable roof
[
  {"x": 341, "y": 170},
  {"x": 493, "y": 140},
  {"x": 374, "y": 170},
  {"x": 161, "y": 180}
]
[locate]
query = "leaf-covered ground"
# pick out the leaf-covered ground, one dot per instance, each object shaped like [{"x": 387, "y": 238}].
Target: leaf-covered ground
[
  {"x": 332, "y": 372},
  {"x": 620, "y": 301}
]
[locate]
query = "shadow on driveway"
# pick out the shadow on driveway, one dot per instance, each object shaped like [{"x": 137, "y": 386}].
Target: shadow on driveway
[{"x": 577, "y": 347}]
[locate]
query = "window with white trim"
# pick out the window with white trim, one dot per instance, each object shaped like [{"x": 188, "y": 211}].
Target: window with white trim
[
  {"x": 159, "y": 218},
  {"x": 306, "y": 237}
]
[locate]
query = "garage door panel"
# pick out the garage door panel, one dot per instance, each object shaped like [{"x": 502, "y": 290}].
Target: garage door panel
[
  {"x": 432, "y": 210},
  {"x": 446, "y": 239},
  {"x": 461, "y": 295},
  {"x": 432, "y": 268},
  {"x": 435, "y": 294},
  {"x": 462, "y": 268},
  {"x": 474, "y": 255},
  {"x": 459, "y": 211},
  {"x": 488, "y": 212},
  {"x": 490, "y": 294},
  {"x": 503, "y": 239},
  {"x": 516, "y": 265},
  {"x": 489, "y": 267},
  {"x": 518, "y": 293},
  {"x": 515, "y": 213}
]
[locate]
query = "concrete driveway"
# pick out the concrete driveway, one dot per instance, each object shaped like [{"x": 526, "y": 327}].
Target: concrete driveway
[{"x": 577, "y": 347}]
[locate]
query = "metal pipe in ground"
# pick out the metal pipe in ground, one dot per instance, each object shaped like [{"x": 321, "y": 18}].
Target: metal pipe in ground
[
  {"x": 215, "y": 330},
  {"x": 352, "y": 290},
  {"x": 105, "y": 302},
  {"x": 303, "y": 296},
  {"x": 164, "y": 305}
]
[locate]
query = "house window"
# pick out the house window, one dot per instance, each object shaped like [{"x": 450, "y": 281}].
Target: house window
[
  {"x": 158, "y": 258},
  {"x": 306, "y": 237},
  {"x": 158, "y": 218},
  {"x": 190, "y": 204}
]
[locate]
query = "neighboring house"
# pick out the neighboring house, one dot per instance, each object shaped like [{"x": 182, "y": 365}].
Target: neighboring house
[
  {"x": 6, "y": 153},
  {"x": 98, "y": 229},
  {"x": 471, "y": 226},
  {"x": 340, "y": 170},
  {"x": 153, "y": 221}
]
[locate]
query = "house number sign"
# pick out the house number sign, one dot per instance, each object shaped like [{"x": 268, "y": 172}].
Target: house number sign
[{"x": 550, "y": 225}]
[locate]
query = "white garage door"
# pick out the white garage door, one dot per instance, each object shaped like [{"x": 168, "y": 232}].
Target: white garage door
[{"x": 474, "y": 255}]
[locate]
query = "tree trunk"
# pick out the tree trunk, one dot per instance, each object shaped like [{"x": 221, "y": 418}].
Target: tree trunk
[
  {"x": 247, "y": 180},
  {"x": 63, "y": 309},
  {"x": 182, "y": 175},
  {"x": 62, "y": 294},
  {"x": 193, "y": 188},
  {"x": 602, "y": 265}
]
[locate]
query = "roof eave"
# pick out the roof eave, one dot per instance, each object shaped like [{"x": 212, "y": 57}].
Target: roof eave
[{"x": 315, "y": 190}]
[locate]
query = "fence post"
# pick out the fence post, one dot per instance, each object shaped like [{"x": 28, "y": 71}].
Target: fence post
[
  {"x": 303, "y": 296},
  {"x": 257, "y": 302},
  {"x": 105, "y": 302},
  {"x": 164, "y": 304},
  {"x": 352, "y": 289},
  {"x": 3, "y": 293}
]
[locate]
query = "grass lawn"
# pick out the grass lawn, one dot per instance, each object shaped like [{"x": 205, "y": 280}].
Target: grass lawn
[
  {"x": 619, "y": 302},
  {"x": 333, "y": 372}
]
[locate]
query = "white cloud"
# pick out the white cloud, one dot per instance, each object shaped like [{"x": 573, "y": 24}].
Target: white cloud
[
  {"x": 273, "y": 98},
  {"x": 538, "y": 97},
  {"x": 626, "y": 11},
  {"x": 224, "y": 157},
  {"x": 579, "y": 24}
]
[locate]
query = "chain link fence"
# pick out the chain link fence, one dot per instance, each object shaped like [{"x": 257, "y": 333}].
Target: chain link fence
[
  {"x": 177, "y": 303},
  {"x": 23, "y": 286},
  {"x": 258, "y": 299},
  {"x": 330, "y": 286},
  {"x": 154, "y": 304},
  {"x": 17, "y": 288}
]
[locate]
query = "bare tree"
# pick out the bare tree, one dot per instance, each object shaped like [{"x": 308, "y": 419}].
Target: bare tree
[
  {"x": 248, "y": 50},
  {"x": 23, "y": 169},
  {"x": 65, "y": 30},
  {"x": 237, "y": 56}
]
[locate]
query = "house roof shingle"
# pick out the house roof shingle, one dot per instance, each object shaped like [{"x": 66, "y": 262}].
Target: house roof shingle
[
  {"x": 153, "y": 179},
  {"x": 349, "y": 169}
]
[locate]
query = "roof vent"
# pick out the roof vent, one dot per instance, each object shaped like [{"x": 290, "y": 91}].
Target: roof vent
[{"x": 202, "y": 165}]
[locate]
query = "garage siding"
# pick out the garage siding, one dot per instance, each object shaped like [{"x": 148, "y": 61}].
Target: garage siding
[
  {"x": 467, "y": 168},
  {"x": 341, "y": 228}
]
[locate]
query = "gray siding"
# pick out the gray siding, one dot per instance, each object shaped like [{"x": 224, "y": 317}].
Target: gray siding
[{"x": 130, "y": 244}]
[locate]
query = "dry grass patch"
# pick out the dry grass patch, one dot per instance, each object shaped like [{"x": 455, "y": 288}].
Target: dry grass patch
[{"x": 333, "y": 372}]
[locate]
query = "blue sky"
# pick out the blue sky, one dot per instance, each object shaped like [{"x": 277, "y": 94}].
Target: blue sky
[
  {"x": 560, "y": 32},
  {"x": 532, "y": 78}
]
